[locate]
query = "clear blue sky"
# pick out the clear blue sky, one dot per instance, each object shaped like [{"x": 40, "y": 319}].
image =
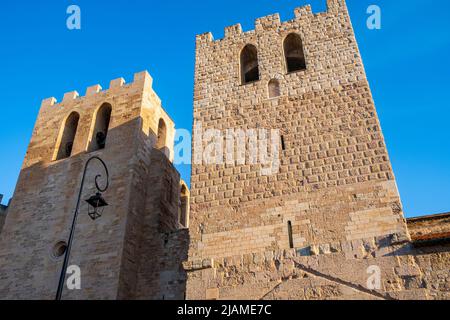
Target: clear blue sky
[{"x": 407, "y": 63}]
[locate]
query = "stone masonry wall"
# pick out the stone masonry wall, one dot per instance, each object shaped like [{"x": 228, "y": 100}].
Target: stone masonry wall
[
  {"x": 339, "y": 273},
  {"x": 371, "y": 211},
  {"x": 436, "y": 226},
  {"x": 335, "y": 182},
  {"x": 162, "y": 245},
  {"x": 3, "y": 213},
  {"x": 335, "y": 186}
]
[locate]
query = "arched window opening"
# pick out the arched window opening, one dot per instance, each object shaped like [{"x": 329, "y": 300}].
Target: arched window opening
[
  {"x": 162, "y": 132},
  {"x": 294, "y": 54},
  {"x": 183, "y": 212},
  {"x": 274, "y": 88},
  {"x": 68, "y": 136},
  {"x": 100, "y": 132},
  {"x": 249, "y": 64}
]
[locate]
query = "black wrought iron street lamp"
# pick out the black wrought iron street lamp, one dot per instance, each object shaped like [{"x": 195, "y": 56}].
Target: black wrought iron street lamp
[{"x": 96, "y": 205}]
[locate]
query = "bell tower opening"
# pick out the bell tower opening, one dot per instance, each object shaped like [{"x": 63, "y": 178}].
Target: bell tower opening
[
  {"x": 100, "y": 132},
  {"x": 294, "y": 54},
  {"x": 249, "y": 64},
  {"x": 68, "y": 136}
]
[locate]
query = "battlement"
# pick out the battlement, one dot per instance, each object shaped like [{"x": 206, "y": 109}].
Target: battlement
[
  {"x": 79, "y": 118},
  {"x": 272, "y": 21},
  {"x": 142, "y": 81}
]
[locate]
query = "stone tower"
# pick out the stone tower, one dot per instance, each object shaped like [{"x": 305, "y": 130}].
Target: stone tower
[
  {"x": 334, "y": 192},
  {"x": 135, "y": 249}
]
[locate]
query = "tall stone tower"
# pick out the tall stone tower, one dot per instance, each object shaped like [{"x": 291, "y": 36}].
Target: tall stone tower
[
  {"x": 135, "y": 249},
  {"x": 334, "y": 193}
]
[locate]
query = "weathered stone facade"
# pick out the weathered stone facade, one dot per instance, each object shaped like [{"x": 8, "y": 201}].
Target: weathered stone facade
[
  {"x": 428, "y": 228},
  {"x": 319, "y": 228},
  {"x": 116, "y": 254},
  {"x": 312, "y": 230}
]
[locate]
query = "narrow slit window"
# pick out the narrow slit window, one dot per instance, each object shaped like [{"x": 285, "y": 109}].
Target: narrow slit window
[
  {"x": 168, "y": 190},
  {"x": 162, "y": 132},
  {"x": 283, "y": 145},
  {"x": 291, "y": 240}
]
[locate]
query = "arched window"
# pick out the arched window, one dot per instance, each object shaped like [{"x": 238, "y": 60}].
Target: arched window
[
  {"x": 274, "y": 88},
  {"x": 67, "y": 137},
  {"x": 100, "y": 132},
  {"x": 293, "y": 52},
  {"x": 249, "y": 64},
  {"x": 183, "y": 212},
  {"x": 162, "y": 132}
]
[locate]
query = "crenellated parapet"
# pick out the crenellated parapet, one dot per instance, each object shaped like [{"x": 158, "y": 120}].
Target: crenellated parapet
[
  {"x": 268, "y": 22},
  {"x": 272, "y": 21},
  {"x": 303, "y": 11},
  {"x": 135, "y": 102},
  {"x": 142, "y": 82},
  {"x": 233, "y": 30}
]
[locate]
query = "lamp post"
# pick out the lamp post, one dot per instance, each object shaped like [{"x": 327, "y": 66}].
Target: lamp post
[{"x": 96, "y": 204}]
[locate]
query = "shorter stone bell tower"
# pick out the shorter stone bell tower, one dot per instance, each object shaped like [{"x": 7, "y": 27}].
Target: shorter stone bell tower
[{"x": 131, "y": 252}]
